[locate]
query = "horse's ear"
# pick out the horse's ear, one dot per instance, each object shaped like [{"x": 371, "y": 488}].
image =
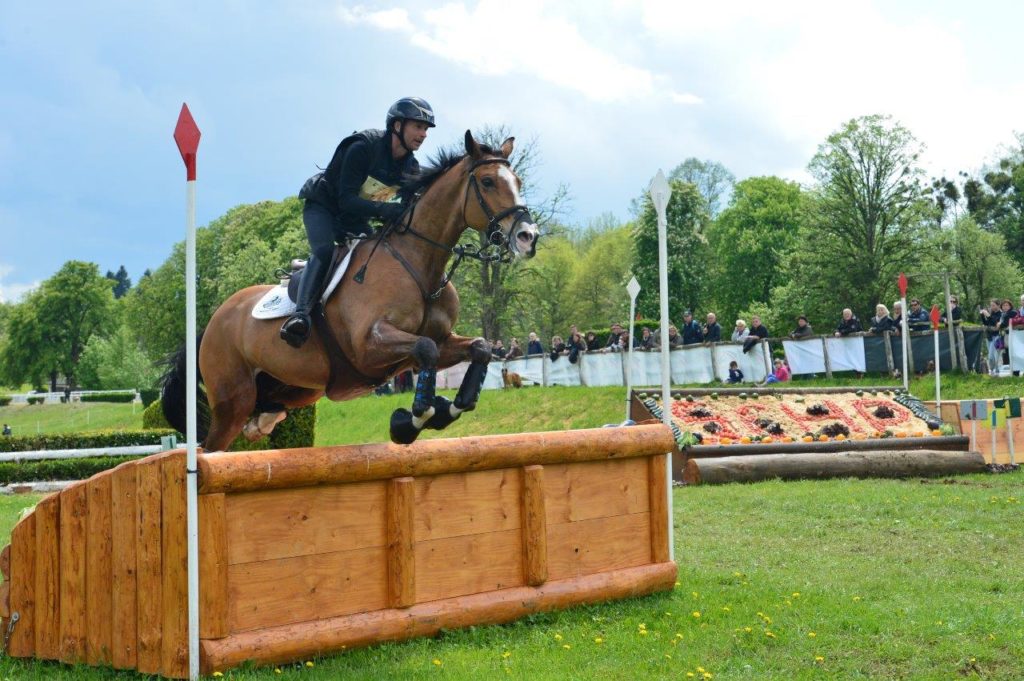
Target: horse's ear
[
  {"x": 472, "y": 148},
  {"x": 506, "y": 147}
]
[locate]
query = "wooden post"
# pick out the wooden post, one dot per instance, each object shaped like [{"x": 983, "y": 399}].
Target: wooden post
[
  {"x": 401, "y": 518},
  {"x": 766, "y": 355},
  {"x": 22, "y": 595},
  {"x": 657, "y": 486},
  {"x": 99, "y": 572},
  {"x": 949, "y": 326},
  {"x": 911, "y": 369},
  {"x": 962, "y": 350},
  {"x": 213, "y": 567},
  {"x": 887, "y": 336},
  {"x": 534, "y": 527},
  {"x": 48, "y": 606},
  {"x": 124, "y": 532},
  {"x": 149, "y": 566},
  {"x": 74, "y": 508},
  {"x": 714, "y": 362},
  {"x": 174, "y": 596},
  {"x": 828, "y": 363}
]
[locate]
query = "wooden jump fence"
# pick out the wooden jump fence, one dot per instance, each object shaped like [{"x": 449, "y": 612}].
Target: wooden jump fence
[{"x": 308, "y": 551}]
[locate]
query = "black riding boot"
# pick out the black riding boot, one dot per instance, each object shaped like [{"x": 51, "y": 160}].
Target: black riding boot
[{"x": 295, "y": 330}]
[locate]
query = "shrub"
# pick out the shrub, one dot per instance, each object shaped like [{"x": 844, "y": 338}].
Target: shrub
[
  {"x": 153, "y": 416},
  {"x": 58, "y": 469},
  {"x": 110, "y": 397},
  {"x": 99, "y": 438},
  {"x": 298, "y": 430},
  {"x": 5, "y": 400},
  {"x": 36, "y": 400},
  {"x": 149, "y": 396}
]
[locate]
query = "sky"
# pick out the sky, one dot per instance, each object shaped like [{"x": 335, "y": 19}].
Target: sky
[{"x": 610, "y": 90}]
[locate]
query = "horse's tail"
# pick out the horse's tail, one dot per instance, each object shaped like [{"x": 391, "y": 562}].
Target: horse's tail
[{"x": 173, "y": 386}]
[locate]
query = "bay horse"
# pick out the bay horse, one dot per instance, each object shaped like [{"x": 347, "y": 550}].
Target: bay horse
[{"x": 389, "y": 313}]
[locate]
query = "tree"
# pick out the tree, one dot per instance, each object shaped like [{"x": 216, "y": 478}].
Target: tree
[
  {"x": 749, "y": 241},
  {"x": 550, "y": 300},
  {"x": 979, "y": 262},
  {"x": 866, "y": 217},
  {"x": 123, "y": 283},
  {"x": 686, "y": 217},
  {"x": 712, "y": 179},
  {"x": 116, "y": 362},
  {"x": 996, "y": 200},
  {"x": 23, "y": 356},
  {"x": 602, "y": 269}
]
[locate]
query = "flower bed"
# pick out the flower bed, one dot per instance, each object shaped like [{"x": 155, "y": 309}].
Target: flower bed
[{"x": 735, "y": 419}]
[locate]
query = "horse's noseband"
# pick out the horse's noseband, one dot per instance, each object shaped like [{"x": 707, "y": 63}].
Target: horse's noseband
[{"x": 519, "y": 212}]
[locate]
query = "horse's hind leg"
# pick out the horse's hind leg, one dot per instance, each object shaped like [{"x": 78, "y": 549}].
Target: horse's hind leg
[
  {"x": 232, "y": 398},
  {"x": 273, "y": 400}
]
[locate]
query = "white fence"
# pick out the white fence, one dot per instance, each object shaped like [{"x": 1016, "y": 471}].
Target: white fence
[
  {"x": 76, "y": 395},
  {"x": 693, "y": 364}
]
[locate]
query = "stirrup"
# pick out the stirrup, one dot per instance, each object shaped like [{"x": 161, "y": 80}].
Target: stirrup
[{"x": 295, "y": 337}]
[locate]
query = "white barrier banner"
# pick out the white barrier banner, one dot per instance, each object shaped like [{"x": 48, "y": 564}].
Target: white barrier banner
[
  {"x": 1016, "y": 349},
  {"x": 530, "y": 369},
  {"x": 494, "y": 379},
  {"x": 561, "y": 371},
  {"x": 646, "y": 367},
  {"x": 691, "y": 365},
  {"x": 601, "y": 368},
  {"x": 750, "y": 363},
  {"x": 847, "y": 353},
  {"x": 805, "y": 357}
]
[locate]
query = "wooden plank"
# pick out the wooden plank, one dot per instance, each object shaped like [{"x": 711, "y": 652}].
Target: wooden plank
[
  {"x": 213, "y": 566},
  {"x": 535, "y": 528},
  {"x": 305, "y": 588},
  {"x": 124, "y": 513},
  {"x": 299, "y": 522},
  {"x": 174, "y": 596},
  {"x": 658, "y": 495},
  {"x": 401, "y": 515},
  {"x": 74, "y": 507},
  {"x": 456, "y": 566},
  {"x": 317, "y": 466},
  {"x": 48, "y": 608},
  {"x": 23, "y": 587},
  {"x": 595, "y": 490},
  {"x": 99, "y": 574},
  {"x": 5, "y": 562},
  {"x": 467, "y": 503},
  {"x": 5, "y": 601},
  {"x": 598, "y": 545},
  {"x": 319, "y": 637},
  {"x": 149, "y": 564}
]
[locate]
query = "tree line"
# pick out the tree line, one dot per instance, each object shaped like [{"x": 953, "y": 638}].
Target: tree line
[{"x": 761, "y": 245}]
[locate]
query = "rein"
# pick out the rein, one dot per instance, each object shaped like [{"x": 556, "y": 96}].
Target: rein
[{"x": 498, "y": 248}]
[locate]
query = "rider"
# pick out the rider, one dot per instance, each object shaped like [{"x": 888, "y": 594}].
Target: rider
[{"x": 364, "y": 174}]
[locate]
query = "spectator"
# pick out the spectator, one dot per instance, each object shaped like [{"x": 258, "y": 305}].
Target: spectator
[
  {"x": 848, "y": 324},
  {"x": 712, "y": 332},
  {"x": 576, "y": 345},
  {"x": 758, "y": 332},
  {"x": 1021, "y": 309},
  {"x": 7, "y": 431},
  {"x": 990, "y": 320},
  {"x": 882, "y": 322},
  {"x": 514, "y": 349},
  {"x": 592, "y": 343},
  {"x": 614, "y": 336},
  {"x": 557, "y": 347},
  {"x": 674, "y": 339},
  {"x": 1008, "y": 316},
  {"x": 803, "y": 329},
  {"x": 692, "y": 332},
  {"x": 955, "y": 312},
  {"x": 781, "y": 373},
  {"x": 646, "y": 340},
  {"x": 624, "y": 341},
  {"x": 735, "y": 375},
  {"x": 897, "y": 317},
  {"x": 498, "y": 349},
  {"x": 533, "y": 346},
  {"x": 917, "y": 318},
  {"x": 740, "y": 333}
]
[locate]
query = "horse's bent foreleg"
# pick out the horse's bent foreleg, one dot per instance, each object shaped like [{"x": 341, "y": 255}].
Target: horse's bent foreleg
[
  {"x": 453, "y": 350},
  {"x": 388, "y": 345}
]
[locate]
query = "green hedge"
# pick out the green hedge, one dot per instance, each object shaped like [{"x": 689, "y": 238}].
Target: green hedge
[
  {"x": 98, "y": 438},
  {"x": 149, "y": 396},
  {"x": 5, "y": 400},
  {"x": 58, "y": 469},
  {"x": 36, "y": 400},
  {"x": 109, "y": 397},
  {"x": 298, "y": 430}
]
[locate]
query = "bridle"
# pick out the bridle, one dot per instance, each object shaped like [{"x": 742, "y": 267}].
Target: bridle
[{"x": 498, "y": 248}]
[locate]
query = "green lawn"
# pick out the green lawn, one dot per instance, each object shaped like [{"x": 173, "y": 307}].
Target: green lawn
[{"x": 27, "y": 419}]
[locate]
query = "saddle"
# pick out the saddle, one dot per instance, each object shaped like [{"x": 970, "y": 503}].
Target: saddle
[{"x": 297, "y": 268}]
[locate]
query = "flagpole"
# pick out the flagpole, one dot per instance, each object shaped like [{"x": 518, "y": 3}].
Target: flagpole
[
  {"x": 938, "y": 361},
  {"x": 1009, "y": 429},
  {"x": 186, "y": 135},
  {"x": 902, "y": 281}
]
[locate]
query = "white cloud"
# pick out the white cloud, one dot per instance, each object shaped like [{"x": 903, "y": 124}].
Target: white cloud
[
  {"x": 488, "y": 39},
  {"x": 12, "y": 293}
]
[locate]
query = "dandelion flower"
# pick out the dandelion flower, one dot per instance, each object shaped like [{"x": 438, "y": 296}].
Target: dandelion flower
[
  {"x": 558, "y": 637},
  {"x": 819, "y": 658},
  {"x": 506, "y": 654},
  {"x": 642, "y": 632},
  {"x": 811, "y": 634},
  {"x": 598, "y": 640},
  {"x": 747, "y": 629},
  {"x": 695, "y": 594},
  {"x": 309, "y": 663},
  {"x": 277, "y": 670},
  {"x": 216, "y": 674},
  {"x": 679, "y": 583},
  {"x": 856, "y": 599},
  {"x": 700, "y": 670},
  {"x": 726, "y": 608},
  {"x": 437, "y": 662},
  {"x": 566, "y": 646},
  {"x": 708, "y": 675},
  {"x": 690, "y": 675},
  {"x": 769, "y": 634},
  {"x": 696, "y": 613},
  {"x": 796, "y": 594}
]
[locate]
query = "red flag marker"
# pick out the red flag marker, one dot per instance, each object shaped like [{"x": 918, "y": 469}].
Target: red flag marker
[
  {"x": 902, "y": 281},
  {"x": 186, "y": 135},
  {"x": 935, "y": 317}
]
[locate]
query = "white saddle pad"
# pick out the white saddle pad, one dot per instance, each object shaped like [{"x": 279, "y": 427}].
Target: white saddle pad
[{"x": 275, "y": 303}]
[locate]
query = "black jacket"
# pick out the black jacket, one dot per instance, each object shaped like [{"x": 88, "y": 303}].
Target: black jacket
[
  {"x": 692, "y": 333},
  {"x": 361, "y": 177},
  {"x": 848, "y": 326},
  {"x": 712, "y": 333}
]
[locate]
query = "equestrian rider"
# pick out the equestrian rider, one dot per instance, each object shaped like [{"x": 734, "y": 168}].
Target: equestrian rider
[{"x": 363, "y": 176}]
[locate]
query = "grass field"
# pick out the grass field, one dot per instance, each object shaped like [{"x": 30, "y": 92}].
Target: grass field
[
  {"x": 847, "y": 579},
  {"x": 67, "y": 418}
]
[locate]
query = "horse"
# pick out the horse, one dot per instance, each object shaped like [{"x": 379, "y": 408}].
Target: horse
[{"x": 388, "y": 314}]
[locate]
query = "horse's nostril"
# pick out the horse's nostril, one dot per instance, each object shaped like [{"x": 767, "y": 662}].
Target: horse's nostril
[{"x": 525, "y": 237}]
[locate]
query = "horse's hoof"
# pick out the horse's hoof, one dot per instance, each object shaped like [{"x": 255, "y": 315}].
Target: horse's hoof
[
  {"x": 442, "y": 417},
  {"x": 403, "y": 432}
]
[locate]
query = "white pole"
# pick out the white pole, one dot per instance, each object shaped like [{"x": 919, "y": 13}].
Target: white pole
[
  {"x": 906, "y": 341},
  {"x": 938, "y": 361},
  {"x": 633, "y": 288},
  {"x": 661, "y": 191},
  {"x": 187, "y": 134},
  {"x": 1009, "y": 349}
]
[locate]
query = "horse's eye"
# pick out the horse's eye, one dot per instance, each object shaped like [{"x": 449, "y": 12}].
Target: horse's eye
[{"x": 488, "y": 182}]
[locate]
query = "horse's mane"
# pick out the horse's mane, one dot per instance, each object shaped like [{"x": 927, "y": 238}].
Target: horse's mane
[{"x": 445, "y": 160}]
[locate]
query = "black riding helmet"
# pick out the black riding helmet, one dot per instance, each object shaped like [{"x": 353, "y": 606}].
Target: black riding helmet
[{"x": 409, "y": 109}]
